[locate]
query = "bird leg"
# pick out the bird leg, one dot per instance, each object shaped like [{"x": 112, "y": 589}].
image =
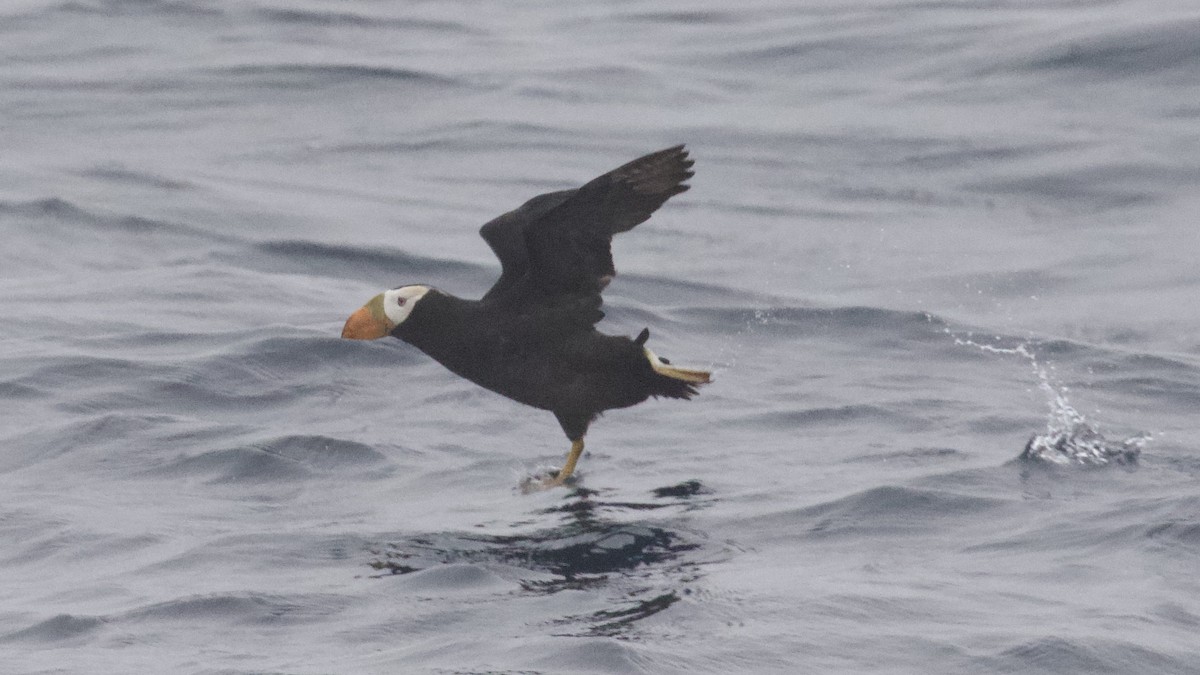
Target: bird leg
[
  {"x": 572, "y": 460},
  {"x": 553, "y": 479},
  {"x": 569, "y": 466}
]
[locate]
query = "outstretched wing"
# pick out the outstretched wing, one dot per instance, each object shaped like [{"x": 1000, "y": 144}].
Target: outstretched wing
[
  {"x": 506, "y": 235},
  {"x": 560, "y": 243}
]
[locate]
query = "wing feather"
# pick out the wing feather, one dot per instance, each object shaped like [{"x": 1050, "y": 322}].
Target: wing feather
[
  {"x": 560, "y": 243},
  {"x": 505, "y": 235}
]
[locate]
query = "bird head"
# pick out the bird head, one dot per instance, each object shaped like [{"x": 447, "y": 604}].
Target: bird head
[{"x": 382, "y": 313}]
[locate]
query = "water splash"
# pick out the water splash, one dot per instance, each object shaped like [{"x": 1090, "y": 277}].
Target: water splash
[
  {"x": 1069, "y": 437},
  {"x": 734, "y": 346}
]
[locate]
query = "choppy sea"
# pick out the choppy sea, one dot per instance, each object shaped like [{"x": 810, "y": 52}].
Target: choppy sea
[{"x": 942, "y": 257}]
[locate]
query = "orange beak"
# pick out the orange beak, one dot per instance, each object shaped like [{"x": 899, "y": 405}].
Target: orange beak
[{"x": 363, "y": 325}]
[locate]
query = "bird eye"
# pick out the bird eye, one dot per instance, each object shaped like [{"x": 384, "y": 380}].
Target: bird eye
[{"x": 401, "y": 301}]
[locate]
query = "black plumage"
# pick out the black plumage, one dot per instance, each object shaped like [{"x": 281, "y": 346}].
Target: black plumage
[{"x": 532, "y": 336}]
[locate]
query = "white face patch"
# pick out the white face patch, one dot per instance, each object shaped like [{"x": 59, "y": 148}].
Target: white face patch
[{"x": 398, "y": 303}]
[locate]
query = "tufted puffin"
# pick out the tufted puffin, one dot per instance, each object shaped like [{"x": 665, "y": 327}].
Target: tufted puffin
[{"x": 532, "y": 336}]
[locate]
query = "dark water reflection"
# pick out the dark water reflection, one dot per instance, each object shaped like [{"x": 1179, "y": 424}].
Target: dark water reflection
[{"x": 642, "y": 565}]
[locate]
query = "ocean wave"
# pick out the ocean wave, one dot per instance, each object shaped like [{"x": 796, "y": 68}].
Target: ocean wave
[
  {"x": 206, "y": 383},
  {"x": 252, "y": 393},
  {"x": 116, "y": 8},
  {"x": 335, "y": 260},
  {"x": 21, "y": 391},
  {"x": 1184, "y": 533},
  {"x": 913, "y": 456},
  {"x": 798, "y": 417},
  {"x": 286, "y": 458},
  {"x": 183, "y": 374},
  {"x": 1131, "y": 50},
  {"x": 456, "y": 578},
  {"x": 1051, "y": 654},
  {"x": 227, "y": 608},
  {"x": 287, "y": 355},
  {"x": 891, "y": 507},
  {"x": 59, "y": 628},
  {"x": 120, "y": 174},
  {"x": 1104, "y": 187},
  {"x": 476, "y": 138},
  {"x": 990, "y": 423},
  {"x": 1172, "y": 392},
  {"x": 682, "y": 17},
  {"x": 63, "y": 211},
  {"x": 797, "y": 321},
  {"x": 236, "y": 466},
  {"x": 50, "y": 206},
  {"x": 334, "y": 18},
  {"x": 308, "y": 75},
  {"x": 885, "y": 510},
  {"x": 237, "y": 608},
  {"x": 91, "y": 433},
  {"x": 64, "y": 372}
]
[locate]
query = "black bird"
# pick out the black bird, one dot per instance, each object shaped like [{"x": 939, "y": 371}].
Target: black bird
[{"x": 532, "y": 337}]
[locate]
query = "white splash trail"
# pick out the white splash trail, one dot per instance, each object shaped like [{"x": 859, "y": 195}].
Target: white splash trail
[{"x": 1069, "y": 437}]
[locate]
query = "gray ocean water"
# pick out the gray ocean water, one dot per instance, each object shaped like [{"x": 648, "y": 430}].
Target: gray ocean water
[{"x": 920, "y": 235}]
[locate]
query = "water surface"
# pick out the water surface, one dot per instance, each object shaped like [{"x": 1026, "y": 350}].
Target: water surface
[{"x": 919, "y": 235}]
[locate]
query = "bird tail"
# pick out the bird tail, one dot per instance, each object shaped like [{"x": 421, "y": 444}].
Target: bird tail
[{"x": 678, "y": 382}]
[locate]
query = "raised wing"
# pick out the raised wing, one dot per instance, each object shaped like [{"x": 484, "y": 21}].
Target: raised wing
[
  {"x": 506, "y": 235},
  {"x": 560, "y": 243}
]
